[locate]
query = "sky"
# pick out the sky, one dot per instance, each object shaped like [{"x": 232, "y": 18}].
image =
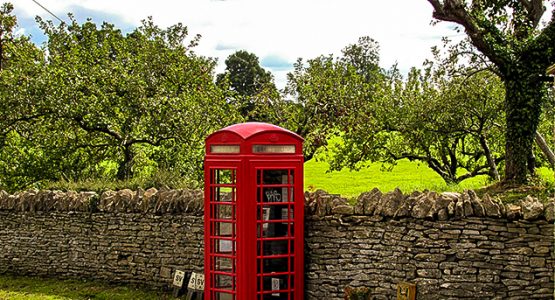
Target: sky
[{"x": 277, "y": 31}]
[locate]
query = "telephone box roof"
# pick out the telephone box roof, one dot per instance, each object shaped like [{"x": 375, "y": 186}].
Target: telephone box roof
[{"x": 249, "y": 129}]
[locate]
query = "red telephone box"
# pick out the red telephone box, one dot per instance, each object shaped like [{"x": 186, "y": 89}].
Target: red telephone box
[{"x": 254, "y": 214}]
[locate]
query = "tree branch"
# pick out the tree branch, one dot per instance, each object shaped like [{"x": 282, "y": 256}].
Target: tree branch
[
  {"x": 476, "y": 71},
  {"x": 545, "y": 149},
  {"x": 105, "y": 129},
  {"x": 25, "y": 119},
  {"x": 535, "y": 10},
  {"x": 147, "y": 141},
  {"x": 453, "y": 157},
  {"x": 433, "y": 163},
  {"x": 542, "y": 50},
  {"x": 482, "y": 170},
  {"x": 82, "y": 146},
  {"x": 489, "y": 157},
  {"x": 455, "y": 11}
]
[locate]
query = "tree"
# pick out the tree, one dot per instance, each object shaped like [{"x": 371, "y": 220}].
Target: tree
[
  {"x": 7, "y": 24},
  {"x": 246, "y": 79},
  {"x": 422, "y": 119},
  {"x": 21, "y": 63},
  {"x": 323, "y": 89},
  {"x": 509, "y": 33},
  {"x": 326, "y": 88},
  {"x": 364, "y": 56},
  {"x": 115, "y": 94}
]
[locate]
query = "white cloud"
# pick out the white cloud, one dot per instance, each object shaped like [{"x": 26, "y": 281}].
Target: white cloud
[
  {"x": 20, "y": 31},
  {"x": 282, "y": 28}
]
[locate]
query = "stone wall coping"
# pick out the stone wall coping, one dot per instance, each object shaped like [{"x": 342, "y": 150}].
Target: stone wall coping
[
  {"x": 140, "y": 201},
  {"x": 428, "y": 205},
  {"x": 420, "y": 205}
]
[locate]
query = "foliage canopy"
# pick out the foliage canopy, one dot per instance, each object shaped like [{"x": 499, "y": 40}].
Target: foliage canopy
[{"x": 95, "y": 98}]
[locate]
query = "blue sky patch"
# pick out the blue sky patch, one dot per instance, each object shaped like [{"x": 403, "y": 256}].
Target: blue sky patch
[
  {"x": 225, "y": 47},
  {"x": 30, "y": 26},
  {"x": 81, "y": 14},
  {"x": 276, "y": 63}
]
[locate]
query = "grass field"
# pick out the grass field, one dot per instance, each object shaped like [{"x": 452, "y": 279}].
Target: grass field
[
  {"x": 29, "y": 288},
  {"x": 408, "y": 176}
]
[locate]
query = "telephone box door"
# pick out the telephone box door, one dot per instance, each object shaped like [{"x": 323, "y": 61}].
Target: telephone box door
[
  {"x": 221, "y": 231},
  {"x": 278, "y": 247}
]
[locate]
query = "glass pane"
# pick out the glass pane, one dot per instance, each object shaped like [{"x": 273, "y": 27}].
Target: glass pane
[
  {"x": 275, "y": 296},
  {"x": 224, "y": 229},
  {"x": 224, "y": 246},
  {"x": 287, "y": 213},
  {"x": 223, "y": 211},
  {"x": 272, "y": 247},
  {"x": 274, "y": 212},
  {"x": 274, "y": 229},
  {"x": 273, "y": 148},
  {"x": 270, "y": 265},
  {"x": 223, "y": 194},
  {"x": 223, "y": 264},
  {"x": 223, "y": 296},
  {"x": 274, "y": 195},
  {"x": 223, "y": 176},
  {"x": 223, "y": 281},
  {"x": 276, "y": 283},
  {"x": 224, "y": 149},
  {"x": 277, "y": 176}
]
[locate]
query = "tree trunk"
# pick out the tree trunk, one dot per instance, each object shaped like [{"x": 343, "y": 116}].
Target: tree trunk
[
  {"x": 124, "y": 169},
  {"x": 523, "y": 107},
  {"x": 444, "y": 172},
  {"x": 450, "y": 179},
  {"x": 494, "y": 173},
  {"x": 545, "y": 149},
  {"x": 531, "y": 163}
]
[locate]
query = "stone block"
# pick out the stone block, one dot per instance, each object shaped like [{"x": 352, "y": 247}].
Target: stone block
[
  {"x": 514, "y": 212},
  {"x": 430, "y": 257},
  {"x": 531, "y": 208},
  {"x": 491, "y": 208},
  {"x": 389, "y": 203},
  {"x": 537, "y": 262},
  {"x": 423, "y": 204},
  {"x": 344, "y": 209},
  {"x": 369, "y": 201},
  {"x": 429, "y": 273},
  {"x": 477, "y": 206},
  {"x": 549, "y": 212}
]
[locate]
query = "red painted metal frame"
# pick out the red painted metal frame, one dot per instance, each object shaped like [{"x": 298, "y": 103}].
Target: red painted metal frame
[
  {"x": 210, "y": 226},
  {"x": 247, "y": 164}
]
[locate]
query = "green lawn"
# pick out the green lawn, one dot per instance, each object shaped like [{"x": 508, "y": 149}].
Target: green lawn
[
  {"x": 30, "y": 288},
  {"x": 408, "y": 176}
]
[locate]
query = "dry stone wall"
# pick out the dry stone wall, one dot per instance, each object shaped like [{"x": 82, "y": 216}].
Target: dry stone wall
[
  {"x": 128, "y": 236},
  {"x": 451, "y": 245}
]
